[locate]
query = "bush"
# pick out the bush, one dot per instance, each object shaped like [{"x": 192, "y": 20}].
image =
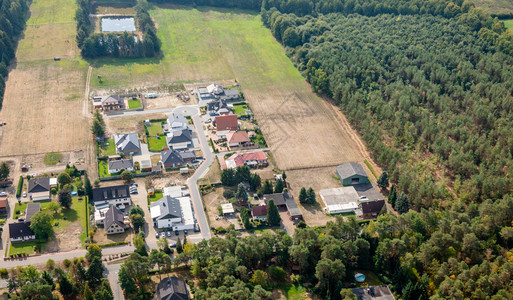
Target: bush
[
  {"x": 112, "y": 244},
  {"x": 228, "y": 193},
  {"x": 54, "y": 191},
  {"x": 3, "y": 273},
  {"x": 20, "y": 187},
  {"x": 67, "y": 263}
]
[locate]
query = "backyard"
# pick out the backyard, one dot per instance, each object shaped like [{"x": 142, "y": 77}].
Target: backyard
[
  {"x": 156, "y": 138},
  {"x": 108, "y": 147},
  {"x": 156, "y": 196},
  {"x": 134, "y": 103},
  {"x": 240, "y": 108}
]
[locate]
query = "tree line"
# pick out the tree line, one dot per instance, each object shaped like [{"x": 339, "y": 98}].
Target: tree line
[
  {"x": 13, "y": 14},
  {"x": 116, "y": 44}
]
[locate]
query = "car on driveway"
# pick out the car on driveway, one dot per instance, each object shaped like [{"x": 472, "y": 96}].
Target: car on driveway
[
  {"x": 185, "y": 232},
  {"x": 24, "y": 194},
  {"x": 157, "y": 235},
  {"x": 168, "y": 234},
  {"x": 163, "y": 234},
  {"x": 177, "y": 233},
  {"x": 172, "y": 245}
]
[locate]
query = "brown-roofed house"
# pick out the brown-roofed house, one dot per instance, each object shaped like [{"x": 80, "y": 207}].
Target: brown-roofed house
[
  {"x": 259, "y": 212},
  {"x": 237, "y": 139},
  {"x": 226, "y": 122},
  {"x": 3, "y": 205},
  {"x": 371, "y": 209}
]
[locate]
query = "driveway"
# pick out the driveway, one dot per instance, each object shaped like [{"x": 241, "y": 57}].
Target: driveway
[
  {"x": 141, "y": 199},
  {"x": 112, "y": 272}
]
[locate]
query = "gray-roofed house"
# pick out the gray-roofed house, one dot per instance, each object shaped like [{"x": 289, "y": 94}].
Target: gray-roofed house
[
  {"x": 285, "y": 201},
  {"x": 21, "y": 232},
  {"x": 166, "y": 212},
  {"x": 31, "y": 210},
  {"x": 116, "y": 166},
  {"x": 127, "y": 143},
  {"x": 215, "y": 92},
  {"x": 171, "y": 288},
  {"x": 171, "y": 159},
  {"x": 351, "y": 174},
  {"x": 39, "y": 189},
  {"x": 176, "y": 121},
  {"x": 114, "y": 221},
  {"x": 378, "y": 292},
  {"x": 179, "y": 139},
  {"x": 112, "y": 195}
]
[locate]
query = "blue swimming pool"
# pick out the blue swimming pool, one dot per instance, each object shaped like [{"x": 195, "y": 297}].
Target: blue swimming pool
[{"x": 359, "y": 277}]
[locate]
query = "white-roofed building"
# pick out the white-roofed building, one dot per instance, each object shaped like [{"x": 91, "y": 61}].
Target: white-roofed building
[{"x": 339, "y": 200}]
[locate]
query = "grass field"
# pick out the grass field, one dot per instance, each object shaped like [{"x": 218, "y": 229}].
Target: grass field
[
  {"x": 508, "y": 24},
  {"x": 109, "y": 149},
  {"x": 156, "y": 145},
  {"x": 134, "y": 103},
  {"x": 155, "y": 128},
  {"x": 53, "y": 158},
  {"x": 496, "y": 7},
  {"x": 240, "y": 110},
  {"x": 156, "y": 196},
  {"x": 24, "y": 248}
]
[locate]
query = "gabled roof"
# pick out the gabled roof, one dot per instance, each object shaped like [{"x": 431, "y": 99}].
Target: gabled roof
[
  {"x": 177, "y": 120},
  {"x": 239, "y": 159},
  {"x": 172, "y": 288},
  {"x": 20, "y": 229},
  {"x": 226, "y": 122},
  {"x": 41, "y": 184},
  {"x": 171, "y": 156},
  {"x": 32, "y": 209},
  {"x": 3, "y": 202},
  {"x": 381, "y": 292},
  {"x": 114, "y": 215},
  {"x": 372, "y": 207},
  {"x": 179, "y": 136},
  {"x": 350, "y": 169},
  {"x": 215, "y": 106},
  {"x": 215, "y": 89},
  {"x": 111, "y": 193},
  {"x": 259, "y": 211},
  {"x": 127, "y": 142},
  {"x": 237, "y": 137},
  {"x": 166, "y": 208},
  {"x": 279, "y": 198},
  {"x": 187, "y": 155},
  {"x": 121, "y": 164}
]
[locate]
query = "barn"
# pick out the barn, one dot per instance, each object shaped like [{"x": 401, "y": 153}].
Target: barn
[{"x": 351, "y": 173}]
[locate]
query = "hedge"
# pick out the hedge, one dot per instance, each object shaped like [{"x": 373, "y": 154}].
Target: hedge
[
  {"x": 20, "y": 187},
  {"x": 112, "y": 244}
]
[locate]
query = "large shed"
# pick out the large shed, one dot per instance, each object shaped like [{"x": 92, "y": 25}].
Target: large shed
[
  {"x": 351, "y": 173},
  {"x": 339, "y": 200}
]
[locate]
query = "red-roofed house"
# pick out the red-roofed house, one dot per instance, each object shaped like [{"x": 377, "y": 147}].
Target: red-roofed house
[
  {"x": 259, "y": 212},
  {"x": 251, "y": 159},
  {"x": 3, "y": 205},
  {"x": 237, "y": 139},
  {"x": 227, "y": 122}
]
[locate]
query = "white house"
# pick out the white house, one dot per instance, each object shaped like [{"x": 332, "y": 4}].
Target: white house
[
  {"x": 116, "y": 166},
  {"x": 176, "y": 121},
  {"x": 113, "y": 195},
  {"x": 172, "y": 213}
]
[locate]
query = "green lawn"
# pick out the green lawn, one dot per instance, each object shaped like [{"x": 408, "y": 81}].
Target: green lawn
[
  {"x": 508, "y": 24},
  {"x": 134, "y": 103},
  {"x": 191, "y": 38},
  {"x": 155, "y": 128},
  {"x": 240, "y": 110},
  {"x": 25, "y": 247},
  {"x": 155, "y": 145},
  {"x": 103, "y": 169},
  {"x": 21, "y": 208},
  {"x": 158, "y": 195},
  {"x": 53, "y": 158},
  {"x": 109, "y": 149},
  {"x": 294, "y": 292}
]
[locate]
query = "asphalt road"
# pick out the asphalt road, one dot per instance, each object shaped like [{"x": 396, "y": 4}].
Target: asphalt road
[{"x": 111, "y": 272}]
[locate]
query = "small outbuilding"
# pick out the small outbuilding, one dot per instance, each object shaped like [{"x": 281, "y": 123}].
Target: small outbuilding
[
  {"x": 227, "y": 209},
  {"x": 351, "y": 173}
]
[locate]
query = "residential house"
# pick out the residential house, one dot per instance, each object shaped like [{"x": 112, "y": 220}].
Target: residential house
[
  {"x": 113, "y": 195},
  {"x": 107, "y": 103},
  {"x": 215, "y": 92},
  {"x": 171, "y": 288},
  {"x": 236, "y": 139},
  {"x": 31, "y": 210},
  {"x": 379, "y": 292},
  {"x": 371, "y": 209},
  {"x": 259, "y": 212},
  {"x": 176, "y": 121},
  {"x": 285, "y": 201},
  {"x": 127, "y": 143},
  {"x": 115, "y": 221},
  {"x": 145, "y": 165},
  {"x": 227, "y": 209},
  {"x": 116, "y": 166},
  {"x": 351, "y": 173},
  {"x": 218, "y": 108},
  {"x": 171, "y": 159},
  {"x": 39, "y": 189},
  {"x": 179, "y": 139},
  {"x": 21, "y": 232},
  {"x": 226, "y": 122},
  {"x": 251, "y": 159},
  {"x": 4, "y": 205},
  {"x": 172, "y": 213},
  {"x": 100, "y": 213}
]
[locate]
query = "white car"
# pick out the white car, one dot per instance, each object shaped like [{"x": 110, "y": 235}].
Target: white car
[
  {"x": 24, "y": 194},
  {"x": 163, "y": 234},
  {"x": 3, "y": 194}
]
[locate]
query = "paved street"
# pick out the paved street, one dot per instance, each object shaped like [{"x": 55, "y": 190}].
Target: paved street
[{"x": 111, "y": 272}]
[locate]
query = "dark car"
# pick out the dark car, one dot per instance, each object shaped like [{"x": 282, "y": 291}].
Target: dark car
[{"x": 176, "y": 232}]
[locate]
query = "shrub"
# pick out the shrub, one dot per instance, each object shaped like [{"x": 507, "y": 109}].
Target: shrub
[
  {"x": 75, "y": 260},
  {"x": 3, "y": 273},
  {"x": 50, "y": 264},
  {"x": 54, "y": 191},
  {"x": 67, "y": 263},
  {"x": 228, "y": 193},
  {"x": 20, "y": 187}
]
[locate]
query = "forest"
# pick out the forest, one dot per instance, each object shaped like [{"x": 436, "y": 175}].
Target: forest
[
  {"x": 13, "y": 14},
  {"x": 113, "y": 44}
]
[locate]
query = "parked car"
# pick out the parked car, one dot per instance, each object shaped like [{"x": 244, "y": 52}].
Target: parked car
[
  {"x": 172, "y": 245},
  {"x": 185, "y": 232},
  {"x": 3, "y": 194},
  {"x": 134, "y": 185},
  {"x": 163, "y": 234},
  {"x": 157, "y": 235},
  {"x": 196, "y": 227},
  {"x": 168, "y": 234},
  {"x": 133, "y": 192},
  {"x": 177, "y": 233},
  {"x": 21, "y": 219},
  {"x": 24, "y": 194}
]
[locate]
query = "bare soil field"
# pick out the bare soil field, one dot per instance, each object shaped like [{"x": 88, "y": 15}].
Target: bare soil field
[
  {"x": 166, "y": 101},
  {"x": 100, "y": 237},
  {"x": 65, "y": 240},
  {"x": 129, "y": 124},
  {"x": 212, "y": 200}
]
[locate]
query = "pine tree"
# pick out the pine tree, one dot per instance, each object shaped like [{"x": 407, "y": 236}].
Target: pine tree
[
  {"x": 402, "y": 204},
  {"x": 273, "y": 215},
  {"x": 179, "y": 247},
  {"x": 383, "y": 180},
  {"x": 278, "y": 188},
  {"x": 392, "y": 196},
  {"x": 303, "y": 196},
  {"x": 241, "y": 195},
  {"x": 267, "y": 188},
  {"x": 311, "y": 196}
]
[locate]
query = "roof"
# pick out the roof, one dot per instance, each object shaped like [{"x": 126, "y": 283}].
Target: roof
[
  {"x": 106, "y": 100},
  {"x": 176, "y": 120},
  {"x": 227, "y": 208},
  {"x": 121, "y": 164},
  {"x": 166, "y": 208},
  {"x": 172, "y": 288},
  {"x": 3, "y": 202},
  {"x": 145, "y": 164},
  {"x": 114, "y": 215},
  {"x": 381, "y": 292},
  {"x": 53, "y": 181},
  {"x": 127, "y": 142},
  {"x": 171, "y": 156},
  {"x": 279, "y": 198},
  {"x": 20, "y": 229},
  {"x": 339, "y": 196},
  {"x": 372, "y": 206},
  {"x": 226, "y": 122},
  {"x": 350, "y": 169},
  {"x": 31, "y": 210},
  {"x": 237, "y": 137},
  {"x": 239, "y": 159},
  {"x": 187, "y": 155},
  {"x": 111, "y": 193},
  {"x": 215, "y": 89},
  {"x": 259, "y": 211},
  {"x": 369, "y": 191},
  {"x": 216, "y": 106},
  {"x": 179, "y": 136},
  {"x": 41, "y": 184},
  {"x": 175, "y": 191}
]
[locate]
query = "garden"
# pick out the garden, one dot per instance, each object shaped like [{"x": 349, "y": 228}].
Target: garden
[
  {"x": 134, "y": 103},
  {"x": 155, "y": 135},
  {"x": 108, "y": 147}
]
